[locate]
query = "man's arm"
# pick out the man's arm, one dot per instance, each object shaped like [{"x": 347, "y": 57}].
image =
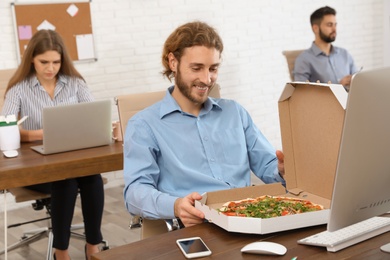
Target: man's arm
[
  {"x": 262, "y": 156},
  {"x": 280, "y": 156},
  {"x": 352, "y": 69},
  {"x": 141, "y": 173},
  {"x": 301, "y": 70}
]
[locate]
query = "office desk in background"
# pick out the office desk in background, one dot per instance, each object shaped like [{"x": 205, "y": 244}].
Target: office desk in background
[
  {"x": 30, "y": 167},
  {"x": 227, "y": 245}
]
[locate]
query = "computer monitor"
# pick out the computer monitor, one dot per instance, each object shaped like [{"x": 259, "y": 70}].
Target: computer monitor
[{"x": 362, "y": 181}]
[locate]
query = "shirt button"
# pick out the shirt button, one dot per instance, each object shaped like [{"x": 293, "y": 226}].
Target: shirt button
[
  {"x": 212, "y": 159},
  {"x": 206, "y": 138}
]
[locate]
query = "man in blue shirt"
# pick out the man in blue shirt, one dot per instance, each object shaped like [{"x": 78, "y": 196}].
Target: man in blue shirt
[
  {"x": 324, "y": 62},
  {"x": 189, "y": 143}
]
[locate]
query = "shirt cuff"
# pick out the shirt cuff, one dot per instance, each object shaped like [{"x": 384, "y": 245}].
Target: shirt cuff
[
  {"x": 278, "y": 178},
  {"x": 166, "y": 210}
]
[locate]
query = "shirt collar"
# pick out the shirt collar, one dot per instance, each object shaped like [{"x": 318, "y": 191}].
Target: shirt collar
[
  {"x": 33, "y": 81},
  {"x": 170, "y": 105},
  {"x": 317, "y": 51}
]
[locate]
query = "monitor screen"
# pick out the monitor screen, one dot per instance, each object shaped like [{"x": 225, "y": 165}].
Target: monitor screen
[{"x": 362, "y": 182}]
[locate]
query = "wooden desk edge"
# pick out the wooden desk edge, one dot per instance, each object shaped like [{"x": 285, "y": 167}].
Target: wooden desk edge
[{"x": 49, "y": 171}]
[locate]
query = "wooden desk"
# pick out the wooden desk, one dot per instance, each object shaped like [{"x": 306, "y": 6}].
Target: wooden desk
[
  {"x": 225, "y": 245},
  {"x": 30, "y": 167}
]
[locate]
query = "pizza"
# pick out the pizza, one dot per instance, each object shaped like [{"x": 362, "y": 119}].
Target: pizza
[{"x": 268, "y": 207}]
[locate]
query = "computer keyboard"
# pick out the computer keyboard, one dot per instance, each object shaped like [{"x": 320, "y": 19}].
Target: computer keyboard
[{"x": 345, "y": 237}]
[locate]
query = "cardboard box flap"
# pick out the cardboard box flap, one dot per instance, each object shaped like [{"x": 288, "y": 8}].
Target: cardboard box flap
[
  {"x": 340, "y": 93},
  {"x": 311, "y": 120},
  {"x": 287, "y": 92},
  {"x": 337, "y": 89}
]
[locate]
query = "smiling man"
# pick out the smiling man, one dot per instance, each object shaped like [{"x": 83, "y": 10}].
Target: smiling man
[
  {"x": 324, "y": 62},
  {"x": 189, "y": 143}
]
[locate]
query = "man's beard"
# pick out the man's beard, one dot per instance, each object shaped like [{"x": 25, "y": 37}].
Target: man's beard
[
  {"x": 327, "y": 38},
  {"x": 186, "y": 90}
]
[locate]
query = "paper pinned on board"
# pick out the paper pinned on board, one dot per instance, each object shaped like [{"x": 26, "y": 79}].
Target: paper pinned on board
[
  {"x": 25, "y": 32},
  {"x": 72, "y": 10},
  {"x": 85, "y": 47},
  {"x": 45, "y": 25}
]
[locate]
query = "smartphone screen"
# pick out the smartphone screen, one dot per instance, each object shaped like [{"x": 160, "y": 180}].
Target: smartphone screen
[{"x": 193, "y": 247}]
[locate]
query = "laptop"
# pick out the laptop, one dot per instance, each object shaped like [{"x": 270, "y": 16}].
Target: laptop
[{"x": 76, "y": 126}]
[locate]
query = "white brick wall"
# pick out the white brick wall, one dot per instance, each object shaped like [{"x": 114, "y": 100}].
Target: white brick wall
[
  {"x": 386, "y": 32},
  {"x": 129, "y": 36}
]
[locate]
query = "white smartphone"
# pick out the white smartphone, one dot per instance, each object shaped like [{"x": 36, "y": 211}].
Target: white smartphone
[{"x": 193, "y": 247}]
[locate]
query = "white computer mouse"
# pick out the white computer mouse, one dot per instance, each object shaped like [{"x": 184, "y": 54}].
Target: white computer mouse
[
  {"x": 265, "y": 248},
  {"x": 10, "y": 153},
  {"x": 386, "y": 248}
]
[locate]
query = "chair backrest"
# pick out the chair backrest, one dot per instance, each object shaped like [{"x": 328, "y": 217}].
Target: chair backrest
[
  {"x": 129, "y": 105},
  {"x": 5, "y": 76},
  {"x": 290, "y": 57}
]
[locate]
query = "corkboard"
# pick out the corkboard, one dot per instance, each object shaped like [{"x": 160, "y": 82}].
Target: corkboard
[{"x": 75, "y": 28}]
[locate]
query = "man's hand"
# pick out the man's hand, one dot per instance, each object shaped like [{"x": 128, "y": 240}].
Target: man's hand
[
  {"x": 280, "y": 156},
  {"x": 185, "y": 210},
  {"x": 346, "y": 81}
]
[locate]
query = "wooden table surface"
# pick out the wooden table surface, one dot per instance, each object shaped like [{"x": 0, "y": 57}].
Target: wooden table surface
[
  {"x": 226, "y": 245},
  {"x": 30, "y": 167}
]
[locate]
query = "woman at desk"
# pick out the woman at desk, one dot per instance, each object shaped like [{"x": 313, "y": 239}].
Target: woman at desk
[{"x": 46, "y": 77}]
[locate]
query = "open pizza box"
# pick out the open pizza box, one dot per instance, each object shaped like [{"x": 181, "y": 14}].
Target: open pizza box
[{"x": 311, "y": 120}]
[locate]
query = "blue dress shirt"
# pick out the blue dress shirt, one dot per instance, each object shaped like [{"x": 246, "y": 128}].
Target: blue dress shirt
[
  {"x": 169, "y": 154},
  {"x": 313, "y": 64}
]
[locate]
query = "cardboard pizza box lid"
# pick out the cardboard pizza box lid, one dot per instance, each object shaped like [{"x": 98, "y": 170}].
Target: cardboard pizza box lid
[{"x": 311, "y": 120}]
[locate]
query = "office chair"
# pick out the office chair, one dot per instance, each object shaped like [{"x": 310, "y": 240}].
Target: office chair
[
  {"x": 42, "y": 201},
  {"x": 291, "y": 57},
  {"x": 129, "y": 105},
  {"x": 5, "y": 76}
]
